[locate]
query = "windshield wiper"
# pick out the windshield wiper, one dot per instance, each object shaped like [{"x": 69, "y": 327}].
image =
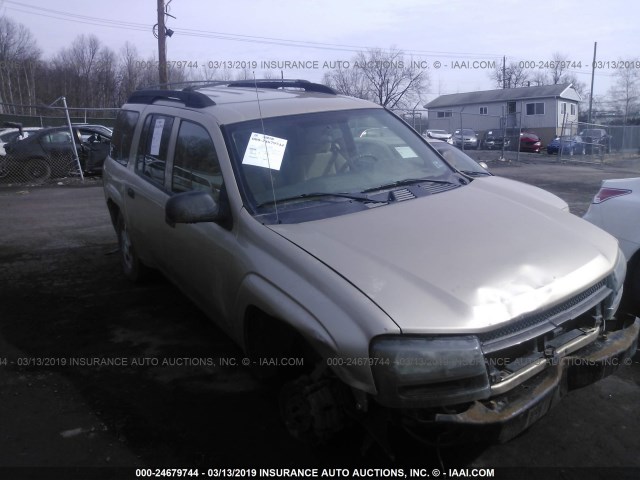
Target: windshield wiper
[
  {"x": 352, "y": 196},
  {"x": 406, "y": 181},
  {"x": 474, "y": 173}
]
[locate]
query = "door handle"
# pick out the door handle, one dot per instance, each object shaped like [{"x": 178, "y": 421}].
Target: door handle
[{"x": 131, "y": 192}]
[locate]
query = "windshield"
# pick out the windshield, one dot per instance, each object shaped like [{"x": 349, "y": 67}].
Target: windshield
[{"x": 312, "y": 156}]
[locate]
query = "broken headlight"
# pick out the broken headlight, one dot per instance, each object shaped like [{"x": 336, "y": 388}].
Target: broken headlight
[
  {"x": 417, "y": 372},
  {"x": 615, "y": 283}
]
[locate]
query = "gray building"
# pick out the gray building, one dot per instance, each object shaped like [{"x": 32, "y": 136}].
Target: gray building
[{"x": 546, "y": 110}]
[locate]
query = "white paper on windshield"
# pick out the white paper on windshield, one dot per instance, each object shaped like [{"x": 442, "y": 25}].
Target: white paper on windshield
[
  {"x": 157, "y": 136},
  {"x": 264, "y": 151},
  {"x": 406, "y": 152}
]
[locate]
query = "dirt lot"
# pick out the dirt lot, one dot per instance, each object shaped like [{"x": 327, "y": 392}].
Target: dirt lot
[{"x": 64, "y": 308}]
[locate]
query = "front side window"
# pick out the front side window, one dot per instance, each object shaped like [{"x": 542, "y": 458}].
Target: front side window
[
  {"x": 123, "y": 135},
  {"x": 57, "y": 137},
  {"x": 331, "y": 157},
  {"x": 153, "y": 149},
  {"x": 195, "y": 163}
]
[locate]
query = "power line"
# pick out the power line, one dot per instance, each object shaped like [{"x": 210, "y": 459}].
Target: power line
[{"x": 96, "y": 21}]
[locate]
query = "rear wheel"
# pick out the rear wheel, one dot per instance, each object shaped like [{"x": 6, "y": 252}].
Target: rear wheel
[
  {"x": 132, "y": 267},
  {"x": 37, "y": 170}
]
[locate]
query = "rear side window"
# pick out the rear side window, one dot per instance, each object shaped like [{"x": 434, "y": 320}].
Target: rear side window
[
  {"x": 123, "y": 135},
  {"x": 153, "y": 149},
  {"x": 195, "y": 163}
]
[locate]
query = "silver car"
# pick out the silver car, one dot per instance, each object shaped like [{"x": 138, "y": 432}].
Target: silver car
[{"x": 406, "y": 290}]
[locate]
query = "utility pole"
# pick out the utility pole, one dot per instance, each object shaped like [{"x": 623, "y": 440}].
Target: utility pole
[
  {"x": 162, "y": 46},
  {"x": 504, "y": 72},
  {"x": 593, "y": 70}
]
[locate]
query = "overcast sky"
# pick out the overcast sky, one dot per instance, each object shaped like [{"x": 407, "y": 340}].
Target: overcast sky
[{"x": 315, "y": 32}]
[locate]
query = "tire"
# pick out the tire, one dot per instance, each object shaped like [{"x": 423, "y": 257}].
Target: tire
[
  {"x": 631, "y": 295},
  {"x": 311, "y": 411},
  {"x": 4, "y": 168},
  {"x": 37, "y": 170},
  {"x": 132, "y": 267}
]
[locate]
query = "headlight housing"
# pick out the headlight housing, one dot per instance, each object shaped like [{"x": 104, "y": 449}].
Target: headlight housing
[
  {"x": 418, "y": 372},
  {"x": 616, "y": 282}
]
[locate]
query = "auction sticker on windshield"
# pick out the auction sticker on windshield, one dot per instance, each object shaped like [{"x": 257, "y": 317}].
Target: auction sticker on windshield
[{"x": 264, "y": 151}]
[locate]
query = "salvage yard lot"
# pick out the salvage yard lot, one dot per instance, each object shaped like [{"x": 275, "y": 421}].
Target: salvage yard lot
[{"x": 175, "y": 393}]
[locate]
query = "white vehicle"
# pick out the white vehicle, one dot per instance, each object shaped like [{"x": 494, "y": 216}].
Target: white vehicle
[
  {"x": 613, "y": 209},
  {"x": 440, "y": 135}
]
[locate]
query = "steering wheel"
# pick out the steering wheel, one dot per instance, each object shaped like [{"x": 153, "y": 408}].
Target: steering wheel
[{"x": 362, "y": 161}]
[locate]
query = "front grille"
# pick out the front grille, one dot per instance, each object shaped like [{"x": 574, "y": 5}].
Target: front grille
[{"x": 531, "y": 325}]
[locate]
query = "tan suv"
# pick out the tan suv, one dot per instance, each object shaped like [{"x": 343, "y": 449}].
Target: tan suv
[{"x": 409, "y": 291}]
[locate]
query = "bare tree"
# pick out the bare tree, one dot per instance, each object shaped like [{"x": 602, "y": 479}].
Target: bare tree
[
  {"x": 539, "y": 78},
  {"x": 384, "y": 77},
  {"x": 625, "y": 93},
  {"x": 513, "y": 76},
  {"x": 348, "y": 81},
  {"x": 557, "y": 67},
  {"x": 129, "y": 72},
  {"x": 19, "y": 59}
]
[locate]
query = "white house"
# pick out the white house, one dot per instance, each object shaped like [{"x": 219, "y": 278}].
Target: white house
[{"x": 546, "y": 110}]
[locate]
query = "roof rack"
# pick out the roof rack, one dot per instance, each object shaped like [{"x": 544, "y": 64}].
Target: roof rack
[
  {"x": 190, "y": 98},
  {"x": 305, "y": 85}
]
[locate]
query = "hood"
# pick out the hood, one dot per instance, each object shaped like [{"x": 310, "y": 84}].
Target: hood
[{"x": 461, "y": 261}]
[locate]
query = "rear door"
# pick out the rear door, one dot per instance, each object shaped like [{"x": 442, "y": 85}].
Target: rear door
[{"x": 146, "y": 193}]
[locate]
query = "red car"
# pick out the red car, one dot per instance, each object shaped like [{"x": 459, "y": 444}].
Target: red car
[{"x": 530, "y": 142}]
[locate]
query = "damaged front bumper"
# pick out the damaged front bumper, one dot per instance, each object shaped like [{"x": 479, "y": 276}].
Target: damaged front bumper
[{"x": 513, "y": 411}]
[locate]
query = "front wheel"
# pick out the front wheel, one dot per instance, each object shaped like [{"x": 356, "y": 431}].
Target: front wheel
[
  {"x": 132, "y": 267},
  {"x": 312, "y": 411}
]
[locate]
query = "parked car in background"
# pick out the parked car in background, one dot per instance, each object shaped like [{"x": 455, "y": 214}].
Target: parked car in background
[
  {"x": 570, "y": 146},
  {"x": 495, "y": 140},
  {"x": 530, "y": 142},
  {"x": 49, "y": 152},
  {"x": 414, "y": 294},
  {"x": 8, "y": 135},
  {"x": 466, "y": 138},
  {"x": 440, "y": 135},
  {"x": 616, "y": 209},
  {"x": 596, "y": 140}
]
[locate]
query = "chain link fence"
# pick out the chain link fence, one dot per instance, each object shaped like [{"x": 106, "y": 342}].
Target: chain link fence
[
  {"x": 38, "y": 169},
  {"x": 595, "y": 143},
  {"x": 50, "y": 156}
]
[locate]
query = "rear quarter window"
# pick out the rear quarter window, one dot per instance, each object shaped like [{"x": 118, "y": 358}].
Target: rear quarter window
[{"x": 123, "y": 135}]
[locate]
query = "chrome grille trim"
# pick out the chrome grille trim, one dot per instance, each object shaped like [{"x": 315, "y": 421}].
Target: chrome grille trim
[{"x": 533, "y": 325}]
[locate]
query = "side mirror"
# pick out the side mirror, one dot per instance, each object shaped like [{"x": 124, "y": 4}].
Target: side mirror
[{"x": 191, "y": 207}]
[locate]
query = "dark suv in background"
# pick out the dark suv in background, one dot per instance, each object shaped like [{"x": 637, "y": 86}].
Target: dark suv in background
[{"x": 596, "y": 140}]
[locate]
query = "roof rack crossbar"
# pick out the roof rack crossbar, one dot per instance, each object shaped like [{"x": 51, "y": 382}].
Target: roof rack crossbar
[
  {"x": 190, "y": 98},
  {"x": 285, "y": 83}
]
